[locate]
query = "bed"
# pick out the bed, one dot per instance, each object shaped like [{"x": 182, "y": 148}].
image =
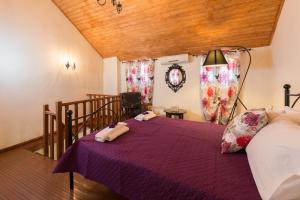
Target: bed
[{"x": 164, "y": 159}]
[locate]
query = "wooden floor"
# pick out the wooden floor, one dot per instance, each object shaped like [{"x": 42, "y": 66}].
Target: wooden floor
[{"x": 25, "y": 175}]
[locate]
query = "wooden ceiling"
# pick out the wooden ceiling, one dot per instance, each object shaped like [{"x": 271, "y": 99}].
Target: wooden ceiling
[{"x": 154, "y": 28}]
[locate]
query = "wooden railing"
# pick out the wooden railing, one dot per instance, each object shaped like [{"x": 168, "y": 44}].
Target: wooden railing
[{"x": 87, "y": 118}]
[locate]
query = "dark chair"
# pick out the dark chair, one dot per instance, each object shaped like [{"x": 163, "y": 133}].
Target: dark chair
[{"x": 131, "y": 104}]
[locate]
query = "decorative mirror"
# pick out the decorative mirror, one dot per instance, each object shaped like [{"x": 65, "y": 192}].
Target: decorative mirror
[{"x": 175, "y": 77}]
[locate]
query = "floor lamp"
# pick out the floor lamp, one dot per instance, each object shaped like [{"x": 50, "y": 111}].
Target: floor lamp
[{"x": 216, "y": 58}]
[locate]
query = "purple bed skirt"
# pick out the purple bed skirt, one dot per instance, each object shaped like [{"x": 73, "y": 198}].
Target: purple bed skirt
[{"x": 164, "y": 159}]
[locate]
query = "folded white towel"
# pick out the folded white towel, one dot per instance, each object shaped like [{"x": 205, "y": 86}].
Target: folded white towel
[
  {"x": 139, "y": 117},
  {"x": 145, "y": 116},
  {"x": 149, "y": 116},
  {"x": 110, "y": 134},
  {"x": 122, "y": 123},
  {"x": 119, "y": 130},
  {"x": 102, "y": 135}
]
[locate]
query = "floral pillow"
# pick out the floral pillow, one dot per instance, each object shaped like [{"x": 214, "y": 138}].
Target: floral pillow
[{"x": 242, "y": 129}]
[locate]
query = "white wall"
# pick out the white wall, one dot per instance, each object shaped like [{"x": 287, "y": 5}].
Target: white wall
[
  {"x": 285, "y": 50},
  {"x": 277, "y": 64},
  {"x": 188, "y": 97},
  {"x": 111, "y": 76},
  {"x": 258, "y": 88},
  {"x": 36, "y": 40}
]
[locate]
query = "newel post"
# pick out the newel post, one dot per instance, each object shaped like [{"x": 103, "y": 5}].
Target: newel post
[
  {"x": 59, "y": 129},
  {"x": 46, "y": 129}
]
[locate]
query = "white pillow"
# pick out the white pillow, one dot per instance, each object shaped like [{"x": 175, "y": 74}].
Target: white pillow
[
  {"x": 272, "y": 113},
  {"x": 274, "y": 159},
  {"x": 291, "y": 110},
  {"x": 291, "y": 116}
]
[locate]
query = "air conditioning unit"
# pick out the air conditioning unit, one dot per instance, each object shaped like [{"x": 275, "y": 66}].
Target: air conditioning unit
[{"x": 177, "y": 59}]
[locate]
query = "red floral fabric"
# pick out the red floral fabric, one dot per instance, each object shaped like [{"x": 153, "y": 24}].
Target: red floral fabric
[
  {"x": 140, "y": 78},
  {"x": 242, "y": 129},
  {"x": 219, "y": 87}
]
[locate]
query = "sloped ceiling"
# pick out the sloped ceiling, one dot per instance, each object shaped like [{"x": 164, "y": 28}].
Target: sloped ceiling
[{"x": 154, "y": 28}]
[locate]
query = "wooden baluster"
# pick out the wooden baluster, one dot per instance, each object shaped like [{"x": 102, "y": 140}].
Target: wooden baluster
[
  {"x": 110, "y": 107},
  {"x": 91, "y": 117},
  {"x": 52, "y": 137},
  {"x": 120, "y": 112},
  {"x": 116, "y": 109},
  {"x": 84, "y": 118},
  {"x": 113, "y": 117},
  {"x": 46, "y": 129},
  {"x": 76, "y": 122},
  {"x": 103, "y": 112},
  {"x": 98, "y": 115},
  {"x": 59, "y": 129},
  {"x": 66, "y": 133},
  {"x": 95, "y": 115},
  {"x": 108, "y": 110}
]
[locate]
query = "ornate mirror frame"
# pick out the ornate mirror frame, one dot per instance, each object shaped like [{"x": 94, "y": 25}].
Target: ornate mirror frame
[{"x": 175, "y": 88}]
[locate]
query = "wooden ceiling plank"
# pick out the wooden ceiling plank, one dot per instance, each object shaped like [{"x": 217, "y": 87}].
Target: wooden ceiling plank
[{"x": 163, "y": 27}]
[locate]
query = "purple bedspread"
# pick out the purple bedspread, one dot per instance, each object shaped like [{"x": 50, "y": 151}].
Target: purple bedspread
[{"x": 164, "y": 159}]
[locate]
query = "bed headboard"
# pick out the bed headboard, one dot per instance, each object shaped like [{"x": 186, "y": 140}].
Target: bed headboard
[{"x": 288, "y": 95}]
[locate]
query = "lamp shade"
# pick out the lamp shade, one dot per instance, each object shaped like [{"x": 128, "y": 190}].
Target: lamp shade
[{"x": 215, "y": 58}]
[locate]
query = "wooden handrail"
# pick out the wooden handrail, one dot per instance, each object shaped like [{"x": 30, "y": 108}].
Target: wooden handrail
[
  {"x": 78, "y": 102},
  {"x": 106, "y": 95}
]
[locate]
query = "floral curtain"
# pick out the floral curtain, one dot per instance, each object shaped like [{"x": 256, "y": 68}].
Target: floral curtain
[
  {"x": 140, "y": 78},
  {"x": 219, "y": 87}
]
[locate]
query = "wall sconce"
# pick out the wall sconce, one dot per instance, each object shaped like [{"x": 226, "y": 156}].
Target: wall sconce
[{"x": 68, "y": 65}]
